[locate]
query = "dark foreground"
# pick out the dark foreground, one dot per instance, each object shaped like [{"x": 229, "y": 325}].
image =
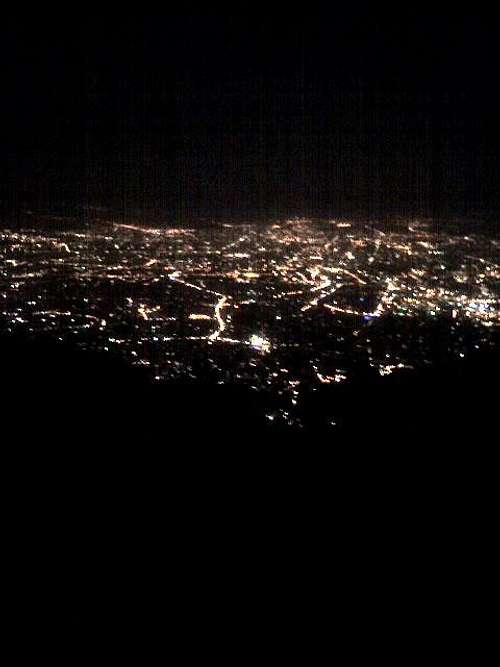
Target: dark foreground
[{"x": 134, "y": 509}]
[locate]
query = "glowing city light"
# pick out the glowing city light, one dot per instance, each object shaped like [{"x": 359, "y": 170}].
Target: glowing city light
[
  {"x": 259, "y": 343},
  {"x": 207, "y": 303}
]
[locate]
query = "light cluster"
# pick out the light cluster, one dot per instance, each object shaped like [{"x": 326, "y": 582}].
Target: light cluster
[{"x": 282, "y": 307}]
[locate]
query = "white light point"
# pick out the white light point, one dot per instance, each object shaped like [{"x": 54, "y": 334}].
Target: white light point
[{"x": 259, "y": 343}]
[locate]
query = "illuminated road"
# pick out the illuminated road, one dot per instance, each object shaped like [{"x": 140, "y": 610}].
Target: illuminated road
[{"x": 222, "y": 303}]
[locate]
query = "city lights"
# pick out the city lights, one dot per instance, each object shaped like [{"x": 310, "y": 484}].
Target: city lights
[{"x": 279, "y": 307}]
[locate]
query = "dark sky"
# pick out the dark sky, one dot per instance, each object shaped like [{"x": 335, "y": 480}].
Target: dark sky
[{"x": 353, "y": 108}]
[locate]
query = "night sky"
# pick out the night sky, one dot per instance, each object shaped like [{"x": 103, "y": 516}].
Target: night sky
[{"x": 351, "y": 109}]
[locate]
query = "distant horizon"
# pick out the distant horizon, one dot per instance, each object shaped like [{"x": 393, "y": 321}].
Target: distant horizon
[{"x": 88, "y": 213}]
